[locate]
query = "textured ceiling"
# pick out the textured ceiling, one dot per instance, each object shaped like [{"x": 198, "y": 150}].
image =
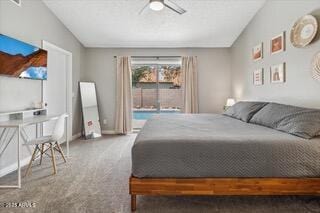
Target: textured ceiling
[{"x": 117, "y": 23}]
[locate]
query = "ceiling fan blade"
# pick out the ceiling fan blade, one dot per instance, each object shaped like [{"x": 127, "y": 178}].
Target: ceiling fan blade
[
  {"x": 144, "y": 8},
  {"x": 173, "y": 6}
]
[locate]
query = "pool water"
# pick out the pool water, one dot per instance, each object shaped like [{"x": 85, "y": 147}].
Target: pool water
[{"x": 145, "y": 115}]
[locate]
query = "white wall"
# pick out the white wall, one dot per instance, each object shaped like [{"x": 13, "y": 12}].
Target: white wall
[
  {"x": 214, "y": 76},
  {"x": 32, "y": 23},
  {"x": 272, "y": 19}
]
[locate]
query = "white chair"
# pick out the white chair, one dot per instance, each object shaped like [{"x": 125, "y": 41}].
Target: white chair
[{"x": 53, "y": 144}]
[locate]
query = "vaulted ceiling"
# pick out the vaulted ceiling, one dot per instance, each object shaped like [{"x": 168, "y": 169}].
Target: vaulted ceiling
[{"x": 117, "y": 23}]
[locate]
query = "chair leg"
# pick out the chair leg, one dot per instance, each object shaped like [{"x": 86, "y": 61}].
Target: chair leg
[
  {"x": 53, "y": 159},
  {"x": 31, "y": 160},
  {"x": 61, "y": 152},
  {"x": 42, "y": 148}
]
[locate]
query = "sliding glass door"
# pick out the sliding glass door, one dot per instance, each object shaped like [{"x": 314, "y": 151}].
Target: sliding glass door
[{"x": 156, "y": 88}]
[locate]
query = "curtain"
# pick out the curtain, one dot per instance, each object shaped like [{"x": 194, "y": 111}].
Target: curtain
[
  {"x": 190, "y": 86},
  {"x": 123, "y": 123}
]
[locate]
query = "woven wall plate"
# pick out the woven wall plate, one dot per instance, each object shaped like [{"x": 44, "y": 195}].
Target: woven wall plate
[
  {"x": 316, "y": 66},
  {"x": 304, "y": 31}
]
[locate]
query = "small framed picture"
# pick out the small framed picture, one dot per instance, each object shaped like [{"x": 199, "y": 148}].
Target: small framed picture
[
  {"x": 257, "y": 52},
  {"x": 258, "y": 77},
  {"x": 277, "y": 73},
  {"x": 277, "y": 43}
]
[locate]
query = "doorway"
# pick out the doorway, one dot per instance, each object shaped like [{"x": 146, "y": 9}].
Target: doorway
[
  {"x": 156, "y": 88},
  {"x": 57, "y": 90}
]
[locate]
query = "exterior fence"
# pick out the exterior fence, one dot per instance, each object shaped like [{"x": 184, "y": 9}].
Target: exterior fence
[{"x": 147, "y": 98}]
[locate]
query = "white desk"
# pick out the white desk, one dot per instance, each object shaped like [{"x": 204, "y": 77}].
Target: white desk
[{"x": 21, "y": 133}]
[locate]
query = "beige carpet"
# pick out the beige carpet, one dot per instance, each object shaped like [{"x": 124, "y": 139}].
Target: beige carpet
[{"x": 96, "y": 180}]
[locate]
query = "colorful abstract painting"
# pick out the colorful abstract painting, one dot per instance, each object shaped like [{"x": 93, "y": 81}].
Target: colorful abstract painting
[{"x": 19, "y": 59}]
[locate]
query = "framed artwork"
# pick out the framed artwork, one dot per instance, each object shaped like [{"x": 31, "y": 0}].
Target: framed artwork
[
  {"x": 258, "y": 77},
  {"x": 277, "y": 43},
  {"x": 277, "y": 73},
  {"x": 257, "y": 52}
]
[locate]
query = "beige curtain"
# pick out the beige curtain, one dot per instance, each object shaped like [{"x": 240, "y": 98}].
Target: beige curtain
[
  {"x": 190, "y": 80},
  {"x": 123, "y": 124}
]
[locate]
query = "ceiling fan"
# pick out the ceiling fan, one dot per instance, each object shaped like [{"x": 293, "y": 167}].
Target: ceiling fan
[{"x": 158, "y": 5}]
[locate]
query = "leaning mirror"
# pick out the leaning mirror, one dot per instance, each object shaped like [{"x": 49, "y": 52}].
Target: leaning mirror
[{"x": 90, "y": 113}]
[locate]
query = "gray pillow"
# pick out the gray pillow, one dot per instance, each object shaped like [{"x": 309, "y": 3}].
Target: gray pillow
[
  {"x": 244, "y": 110},
  {"x": 302, "y": 122}
]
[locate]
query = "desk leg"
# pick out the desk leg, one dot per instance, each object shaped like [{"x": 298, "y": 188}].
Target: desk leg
[
  {"x": 67, "y": 136},
  {"x": 41, "y": 130},
  {"x": 18, "y": 162},
  {"x": 19, "y": 166},
  {"x": 37, "y": 130}
]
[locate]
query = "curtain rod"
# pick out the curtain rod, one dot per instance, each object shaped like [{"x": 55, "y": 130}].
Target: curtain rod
[{"x": 152, "y": 56}]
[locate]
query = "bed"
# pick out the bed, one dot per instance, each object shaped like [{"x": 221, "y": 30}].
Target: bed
[{"x": 211, "y": 154}]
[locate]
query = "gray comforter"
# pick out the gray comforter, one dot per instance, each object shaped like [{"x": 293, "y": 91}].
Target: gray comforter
[{"x": 209, "y": 145}]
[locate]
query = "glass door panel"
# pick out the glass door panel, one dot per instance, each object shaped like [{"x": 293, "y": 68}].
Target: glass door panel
[
  {"x": 170, "y": 91},
  {"x": 144, "y": 93},
  {"x": 156, "y": 89}
]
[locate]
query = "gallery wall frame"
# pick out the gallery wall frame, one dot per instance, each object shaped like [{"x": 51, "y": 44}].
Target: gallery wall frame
[
  {"x": 257, "y": 52},
  {"x": 258, "y": 77},
  {"x": 277, "y": 43},
  {"x": 278, "y": 73}
]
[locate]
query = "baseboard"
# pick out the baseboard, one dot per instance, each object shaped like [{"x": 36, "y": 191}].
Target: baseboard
[
  {"x": 113, "y": 132},
  {"x": 13, "y": 167},
  {"x": 76, "y": 136},
  {"x": 108, "y": 132}
]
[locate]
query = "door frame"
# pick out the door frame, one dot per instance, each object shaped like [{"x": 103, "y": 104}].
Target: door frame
[
  {"x": 157, "y": 65},
  {"x": 46, "y": 44}
]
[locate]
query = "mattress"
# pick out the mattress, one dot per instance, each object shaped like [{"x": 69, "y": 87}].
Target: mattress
[{"x": 211, "y": 145}]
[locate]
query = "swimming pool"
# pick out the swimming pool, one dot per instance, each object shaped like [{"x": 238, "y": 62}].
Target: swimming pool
[{"x": 145, "y": 115}]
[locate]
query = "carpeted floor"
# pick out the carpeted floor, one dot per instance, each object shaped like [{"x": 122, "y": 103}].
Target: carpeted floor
[{"x": 95, "y": 179}]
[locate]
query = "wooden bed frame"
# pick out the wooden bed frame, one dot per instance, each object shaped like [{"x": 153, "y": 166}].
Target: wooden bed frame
[{"x": 222, "y": 186}]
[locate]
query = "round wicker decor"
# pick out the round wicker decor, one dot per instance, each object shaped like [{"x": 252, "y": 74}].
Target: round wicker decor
[
  {"x": 316, "y": 66},
  {"x": 304, "y": 31}
]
